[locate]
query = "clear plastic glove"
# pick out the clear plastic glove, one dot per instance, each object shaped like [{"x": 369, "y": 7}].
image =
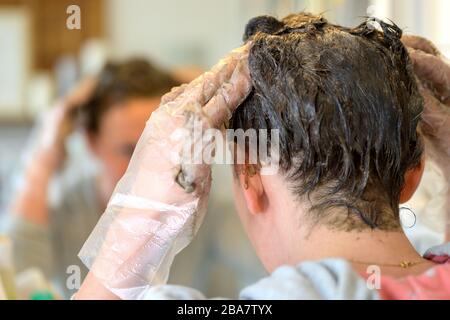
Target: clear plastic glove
[
  {"x": 159, "y": 204},
  {"x": 433, "y": 71}
]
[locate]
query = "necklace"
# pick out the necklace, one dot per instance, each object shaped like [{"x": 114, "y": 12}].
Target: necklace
[{"x": 404, "y": 264}]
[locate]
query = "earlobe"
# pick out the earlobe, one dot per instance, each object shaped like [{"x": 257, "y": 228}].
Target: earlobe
[
  {"x": 412, "y": 181},
  {"x": 253, "y": 191}
]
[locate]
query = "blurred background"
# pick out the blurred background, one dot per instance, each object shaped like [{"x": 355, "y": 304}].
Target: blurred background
[{"x": 41, "y": 59}]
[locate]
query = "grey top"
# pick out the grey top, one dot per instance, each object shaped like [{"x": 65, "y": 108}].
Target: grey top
[{"x": 330, "y": 279}]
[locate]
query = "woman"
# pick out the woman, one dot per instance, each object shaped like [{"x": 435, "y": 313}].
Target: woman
[
  {"x": 347, "y": 109},
  {"x": 112, "y": 111}
]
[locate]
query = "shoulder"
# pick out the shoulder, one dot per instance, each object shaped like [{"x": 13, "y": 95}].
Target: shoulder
[{"x": 325, "y": 279}]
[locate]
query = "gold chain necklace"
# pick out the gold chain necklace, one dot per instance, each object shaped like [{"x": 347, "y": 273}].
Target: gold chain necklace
[{"x": 404, "y": 264}]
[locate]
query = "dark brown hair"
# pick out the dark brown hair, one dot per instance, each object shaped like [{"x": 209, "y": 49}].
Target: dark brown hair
[{"x": 346, "y": 105}]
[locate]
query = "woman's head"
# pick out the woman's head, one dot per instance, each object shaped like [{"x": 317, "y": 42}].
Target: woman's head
[
  {"x": 115, "y": 115},
  {"x": 346, "y": 105}
]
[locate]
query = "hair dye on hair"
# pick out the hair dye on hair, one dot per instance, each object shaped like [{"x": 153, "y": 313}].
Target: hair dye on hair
[{"x": 347, "y": 106}]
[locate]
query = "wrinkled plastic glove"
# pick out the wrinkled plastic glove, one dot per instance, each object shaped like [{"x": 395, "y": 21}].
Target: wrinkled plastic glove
[
  {"x": 159, "y": 204},
  {"x": 433, "y": 72}
]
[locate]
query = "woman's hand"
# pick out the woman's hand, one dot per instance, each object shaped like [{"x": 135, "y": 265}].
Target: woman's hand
[
  {"x": 47, "y": 155},
  {"x": 160, "y": 202},
  {"x": 433, "y": 72}
]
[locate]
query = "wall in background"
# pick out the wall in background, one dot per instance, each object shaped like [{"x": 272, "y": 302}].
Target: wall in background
[
  {"x": 50, "y": 37},
  {"x": 201, "y": 31}
]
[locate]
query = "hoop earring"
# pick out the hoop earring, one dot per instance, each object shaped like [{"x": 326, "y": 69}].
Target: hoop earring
[{"x": 414, "y": 215}]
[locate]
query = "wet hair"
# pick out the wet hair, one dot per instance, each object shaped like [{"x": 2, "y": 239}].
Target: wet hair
[
  {"x": 347, "y": 106},
  {"x": 119, "y": 82}
]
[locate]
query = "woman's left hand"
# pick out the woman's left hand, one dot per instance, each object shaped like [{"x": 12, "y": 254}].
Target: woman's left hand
[{"x": 433, "y": 72}]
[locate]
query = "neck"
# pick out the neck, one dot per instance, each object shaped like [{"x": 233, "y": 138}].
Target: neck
[{"x": 361, "y": 248}]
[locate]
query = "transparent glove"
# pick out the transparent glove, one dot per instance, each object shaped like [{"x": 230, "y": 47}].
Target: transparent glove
[
  {"x": 433, "y": 72},
  {"x": 159, "y": 204}
]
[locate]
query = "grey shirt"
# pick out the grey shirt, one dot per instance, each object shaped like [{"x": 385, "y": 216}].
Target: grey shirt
[
  {"x": 54, "y": 248},
  {"x": 329, "y": 279}
]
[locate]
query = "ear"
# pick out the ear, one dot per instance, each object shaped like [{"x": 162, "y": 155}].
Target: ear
[
  {"x": 412, "y": 181},
  {"x": 253, "y": 191}
]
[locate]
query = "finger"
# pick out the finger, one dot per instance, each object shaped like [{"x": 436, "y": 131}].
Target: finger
[
  {"x": 420, "y": 43},
  {"x": 173, "y": 94},
  {"x": 435, "y": 71},
  {"x": 200, "y": 89},
  {"x": 220, "y": 108}
]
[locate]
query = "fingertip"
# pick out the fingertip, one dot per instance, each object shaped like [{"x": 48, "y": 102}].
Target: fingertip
[{"x": 420, "y": 43}]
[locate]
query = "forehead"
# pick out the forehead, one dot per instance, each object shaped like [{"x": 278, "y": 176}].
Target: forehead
[{"x": 128, "y": 118}]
